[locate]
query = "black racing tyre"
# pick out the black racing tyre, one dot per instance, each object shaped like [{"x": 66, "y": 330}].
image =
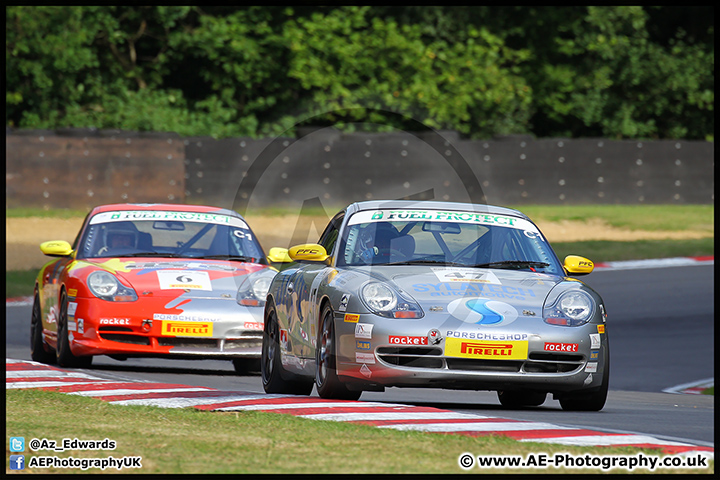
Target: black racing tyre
[
  {"x": 244, "y": 366},
  {"x": 39, "y": 350},
  {"x": 274, "y": 379},
  {"x": 64, "y": 355},
  {"x": 593, "y": 400},
  {"x": 326, "y": 379},
  {"x": 521, "y": 398}
]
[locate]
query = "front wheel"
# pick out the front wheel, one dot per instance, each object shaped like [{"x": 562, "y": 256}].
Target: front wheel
[
  {"x": 39, "y": 350},
  {"x": 326, "y": 378},
  {"x": 271, "y": 369},
  {"x": 64, "y": 355},
  {"x": 591, "y": 401}
]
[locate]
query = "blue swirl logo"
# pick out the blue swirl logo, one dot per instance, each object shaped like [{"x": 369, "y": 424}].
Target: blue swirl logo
[{"x": 481, "y": 311}]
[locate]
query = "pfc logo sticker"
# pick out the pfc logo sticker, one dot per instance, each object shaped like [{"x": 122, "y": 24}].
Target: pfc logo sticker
[{"x": 506, "y": 350}]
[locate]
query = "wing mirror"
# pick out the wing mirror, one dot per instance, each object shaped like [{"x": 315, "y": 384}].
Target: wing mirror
[
  {"x": 278, "y": 255},
  {"x": 56, "y": 248},
  {"x": 577, "y": 265},
  {"x": 309, "y": 252}
]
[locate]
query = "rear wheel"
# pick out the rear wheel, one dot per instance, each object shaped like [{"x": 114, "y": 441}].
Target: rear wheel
[
  {"x": 521, "y": 398},
  {"x": 271, "y": 369},
  {"x": 64, "y": 355},
  {"x": 326, "y": 379},
  {"x": 39, "y": 350}
]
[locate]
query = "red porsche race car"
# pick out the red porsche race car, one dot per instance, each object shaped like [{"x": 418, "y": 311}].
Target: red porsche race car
[{"x": 152, "y": 280}]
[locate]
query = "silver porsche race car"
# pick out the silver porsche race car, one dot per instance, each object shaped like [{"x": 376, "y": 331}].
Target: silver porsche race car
[{"x": 439, "y": 295}]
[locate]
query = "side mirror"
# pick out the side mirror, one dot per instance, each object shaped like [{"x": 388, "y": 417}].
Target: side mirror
[
  {"x": 278, "y": 255},
  {"x": 56, "y": 248},
  {"x": 309, "y": 252},
  {"x": 577, "y": 265}
]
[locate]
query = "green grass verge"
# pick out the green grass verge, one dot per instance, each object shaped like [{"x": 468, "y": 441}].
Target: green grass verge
[
  {"x": 39, "y": 212},
  {"x": 176, "y": 441},
  {"x": 19, "y": 283},
  {"x": 607, "y": 251},
  {"x": 633, "y": 217}
]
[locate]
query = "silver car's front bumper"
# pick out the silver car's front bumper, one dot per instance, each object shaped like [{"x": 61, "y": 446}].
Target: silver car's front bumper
[{"x": 403, "y": 353}]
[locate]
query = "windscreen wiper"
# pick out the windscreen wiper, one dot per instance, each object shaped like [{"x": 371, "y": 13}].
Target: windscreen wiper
[
  {"x": 420, "y": 261},
  {"x": 148, "y": 254},
  {"x": 234, "y": 258},
  {"x": 511, "y": 263}
]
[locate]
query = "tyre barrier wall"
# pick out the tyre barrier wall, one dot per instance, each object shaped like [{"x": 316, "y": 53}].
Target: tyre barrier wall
[{"x": 80, "y": 168}]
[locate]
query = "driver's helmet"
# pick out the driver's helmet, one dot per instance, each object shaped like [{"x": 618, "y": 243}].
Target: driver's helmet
[
  {"x": 121, "y": 235},
  {"x": 373, "y": 238}
]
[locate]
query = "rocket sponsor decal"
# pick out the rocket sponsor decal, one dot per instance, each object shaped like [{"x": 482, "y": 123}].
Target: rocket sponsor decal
[
  {"x": 407, "y": 340},
  {"x": 114, "y": 321},
  {"x": 561, "y": 347}
]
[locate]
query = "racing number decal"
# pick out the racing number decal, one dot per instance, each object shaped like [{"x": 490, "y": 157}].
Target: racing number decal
[{"x": 184, "y": 279}]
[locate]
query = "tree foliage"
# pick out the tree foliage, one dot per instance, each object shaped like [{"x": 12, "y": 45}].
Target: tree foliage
[{"x": 611, "y": 71}]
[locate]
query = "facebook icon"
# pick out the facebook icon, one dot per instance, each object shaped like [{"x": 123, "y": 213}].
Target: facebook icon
[{"x": 17, "y": 462}]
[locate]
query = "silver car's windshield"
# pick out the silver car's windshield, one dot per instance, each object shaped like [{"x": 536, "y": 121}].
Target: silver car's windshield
[
  {"x": 405, "y": 237},
  {"x": 221, "y": 239}
]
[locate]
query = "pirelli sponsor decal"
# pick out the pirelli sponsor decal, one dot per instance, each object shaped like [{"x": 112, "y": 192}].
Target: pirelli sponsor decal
[
  {"x": 503, "y": 350},
  {"x": 187, "y": 329}
]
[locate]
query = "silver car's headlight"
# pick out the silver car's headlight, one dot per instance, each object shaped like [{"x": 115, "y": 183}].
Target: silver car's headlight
[
  {"x": 384, "y": 301},
  {"x": 106, "y": 286},
  {"x": 571, "y": 308},
  {"x": 254, "y": 288},
  {"x": 379, "y": 297}
]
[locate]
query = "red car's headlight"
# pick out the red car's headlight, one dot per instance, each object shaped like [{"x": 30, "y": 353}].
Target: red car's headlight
[{"x": 106, "y": 286}]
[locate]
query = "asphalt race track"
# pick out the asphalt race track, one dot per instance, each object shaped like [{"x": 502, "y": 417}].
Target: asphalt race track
[{"x": 660, "y": 324}]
